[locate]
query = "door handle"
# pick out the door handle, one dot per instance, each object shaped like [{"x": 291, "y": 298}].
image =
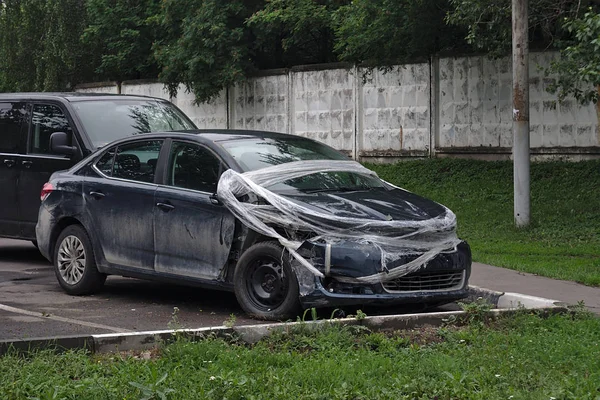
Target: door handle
[
  {"x": 165, "y": 206},
  {"x": 214, "y": 199},
  {"x": 26, "y": 163},
  {"x": 97, "y": 195},
  {"x": 9, "y": 163}
]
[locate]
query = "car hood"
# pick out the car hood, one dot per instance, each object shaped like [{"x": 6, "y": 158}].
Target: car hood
[{"x": 373, "y": 204}]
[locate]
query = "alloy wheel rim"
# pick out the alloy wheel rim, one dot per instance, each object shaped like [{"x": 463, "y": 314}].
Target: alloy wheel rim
[{"x": 71, "y": 259}]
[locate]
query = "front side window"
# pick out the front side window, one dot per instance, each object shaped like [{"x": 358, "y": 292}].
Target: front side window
[
  {"x": 46, "y": 120},
  {"x": 193, "y": 167},
  {"x": 131, "y": 161},
  {"x": 12, "y": 116}
]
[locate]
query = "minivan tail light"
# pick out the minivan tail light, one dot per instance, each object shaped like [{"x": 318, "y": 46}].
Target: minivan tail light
[{"x": 46, "y": 190}]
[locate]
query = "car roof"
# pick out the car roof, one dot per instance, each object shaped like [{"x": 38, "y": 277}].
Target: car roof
[
  {"x": 221, "y": 135},
  {"x": 72, "y": 96}
]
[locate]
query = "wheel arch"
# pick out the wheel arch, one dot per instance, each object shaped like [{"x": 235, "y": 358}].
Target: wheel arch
[{"x": 60, "y": 226}]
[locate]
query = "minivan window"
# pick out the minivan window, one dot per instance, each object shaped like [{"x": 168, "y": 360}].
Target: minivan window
[
  {"x": 11, "y": 118},
  {"x": 46, "y": 120},
  {"x": 108, "y": 120}
]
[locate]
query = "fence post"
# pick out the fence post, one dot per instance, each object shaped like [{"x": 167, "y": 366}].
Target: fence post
[
  {"x": 434, "y": 104},
  {"x": 358, "y": 114}
]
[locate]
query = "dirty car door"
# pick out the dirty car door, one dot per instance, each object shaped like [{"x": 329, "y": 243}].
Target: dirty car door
[
  {"x": 121, "y": 203},
  {"x": 193, "y": 234}
]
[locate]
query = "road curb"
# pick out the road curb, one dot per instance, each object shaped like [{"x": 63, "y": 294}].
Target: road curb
[{"x": 505, "y": 303}]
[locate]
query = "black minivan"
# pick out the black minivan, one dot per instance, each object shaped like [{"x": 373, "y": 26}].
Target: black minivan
[{"x": 41, "y": 133}]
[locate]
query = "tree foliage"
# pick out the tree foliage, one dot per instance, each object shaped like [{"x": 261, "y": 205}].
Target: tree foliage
[
  {"x": 293, "y": 32},
  {"x": 39, "y": 45},
  {"x": 489, "y": 22},
  {"x": 205, "y": 47},
  {"x": 122, "y": 32},
  {"x": 385, "y": 32},
  {"x": 578, "y": 68}
]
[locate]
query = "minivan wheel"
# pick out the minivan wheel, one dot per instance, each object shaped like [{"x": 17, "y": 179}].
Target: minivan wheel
[
  {"x": 265, "y": 284},
  {"x": 75, "y": 264}
]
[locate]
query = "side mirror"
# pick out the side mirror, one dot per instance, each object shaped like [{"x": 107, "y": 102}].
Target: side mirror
[{"x": 59, "y": 144}]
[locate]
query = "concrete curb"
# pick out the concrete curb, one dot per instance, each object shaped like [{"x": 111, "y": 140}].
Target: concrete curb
[{"x": 505, "y": 303}]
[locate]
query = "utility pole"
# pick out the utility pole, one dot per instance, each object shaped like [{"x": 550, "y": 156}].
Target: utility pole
[{"x": 520, "y": 62}]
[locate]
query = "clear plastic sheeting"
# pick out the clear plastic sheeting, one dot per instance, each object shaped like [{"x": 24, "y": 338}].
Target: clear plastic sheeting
[{"x": 276, "y": 216}]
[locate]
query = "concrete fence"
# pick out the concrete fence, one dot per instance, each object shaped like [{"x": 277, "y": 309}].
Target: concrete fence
[{"x": 456, "y": 106}]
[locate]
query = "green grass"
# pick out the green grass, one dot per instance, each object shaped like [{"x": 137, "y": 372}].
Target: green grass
[
  {"x": 564, "y": 239},
  {"x": 522, "y": 357}
]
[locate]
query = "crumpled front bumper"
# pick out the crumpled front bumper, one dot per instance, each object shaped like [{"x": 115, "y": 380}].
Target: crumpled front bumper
[{"x": 442, "y": 280}]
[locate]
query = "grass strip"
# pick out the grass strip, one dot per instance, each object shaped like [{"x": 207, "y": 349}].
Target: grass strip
[
  {"x": 519, "y": 357},
  {"x": 563, "y": 240}
]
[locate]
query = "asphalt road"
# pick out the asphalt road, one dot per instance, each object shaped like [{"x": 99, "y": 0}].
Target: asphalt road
[{"x": 32, "y": 304}]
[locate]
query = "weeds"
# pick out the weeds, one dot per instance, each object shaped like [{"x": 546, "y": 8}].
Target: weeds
[
  {"x": 360, "y": 315},
  {"x": 174, "y": 323},
  {"x": 476, "y": 312},
  {"x": 153, "y": 390},
  {"x": 230, "y": 322},
  {"x": 524, "y": 356}
]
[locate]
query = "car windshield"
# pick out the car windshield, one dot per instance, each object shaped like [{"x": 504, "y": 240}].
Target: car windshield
[
  {"x": 255, "y": 153},
  {"x": 108, "y": 120}
]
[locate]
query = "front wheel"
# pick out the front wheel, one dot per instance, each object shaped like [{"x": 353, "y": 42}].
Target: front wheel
[
  {"x": 265, "y": 284},
  {"x": 74, "y": 262}
]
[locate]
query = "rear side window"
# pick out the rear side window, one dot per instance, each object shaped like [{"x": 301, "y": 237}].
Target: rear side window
[
  {"x": 46, "y": 120},
  {"x": 12, "y": 116},
  {"x": 132, "y": 161}
]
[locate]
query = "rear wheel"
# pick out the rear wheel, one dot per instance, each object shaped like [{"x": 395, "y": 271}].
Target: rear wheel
[
  {"x": 74, "y": 262},
  {"x": 265, "y": 284}
]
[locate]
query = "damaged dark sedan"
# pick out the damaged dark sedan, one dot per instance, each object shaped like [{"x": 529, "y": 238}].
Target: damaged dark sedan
[{"x": 283, "y": 221}]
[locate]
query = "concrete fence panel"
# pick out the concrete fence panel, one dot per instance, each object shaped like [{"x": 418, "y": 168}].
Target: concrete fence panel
[
  {"x": 99, "y": 87},
  {"x": 323, "y": 107},
  {"x": 475, "y": 109},
  {"x": 450, "y": 106},
  {"x": 394, "y": 112},
  {"x": 261, "y": 103},
  {"x": 205, "y": 115}
]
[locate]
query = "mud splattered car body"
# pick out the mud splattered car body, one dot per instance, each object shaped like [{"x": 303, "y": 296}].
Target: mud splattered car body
[{"x": 147, "y": 207}]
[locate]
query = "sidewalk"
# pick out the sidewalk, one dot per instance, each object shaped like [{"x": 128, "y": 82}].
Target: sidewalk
[{"x": 507, "y": 280}]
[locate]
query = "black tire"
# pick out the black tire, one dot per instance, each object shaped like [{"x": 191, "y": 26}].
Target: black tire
[
  {"x": 34, "y": 242},
  {"x": 265, "y": 285},
  {"x": 74, "y": 276}
]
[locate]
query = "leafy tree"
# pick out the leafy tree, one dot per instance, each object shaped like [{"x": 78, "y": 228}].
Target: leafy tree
[
  {"x": 122, "y": 32},
  {"x": 293, "y": 32},
  {"x": 578, "y": 68},
  {"x": 489, "y": 22},
  {"x": 39, "y": 45},
  {"x": 387, "y": 32},
  {"x": 206, "y": 45}
]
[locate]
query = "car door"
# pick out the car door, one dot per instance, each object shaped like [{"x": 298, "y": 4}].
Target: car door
[
  {"x": 40, "y": 162},
  {"x": 192, "y": 231},
  {"x": 13, "y": 123},
  {"x": 120, "y": 203}
]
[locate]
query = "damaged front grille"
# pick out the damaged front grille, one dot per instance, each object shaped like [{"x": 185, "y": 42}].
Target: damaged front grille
[{"x": 426, "y": 282}]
